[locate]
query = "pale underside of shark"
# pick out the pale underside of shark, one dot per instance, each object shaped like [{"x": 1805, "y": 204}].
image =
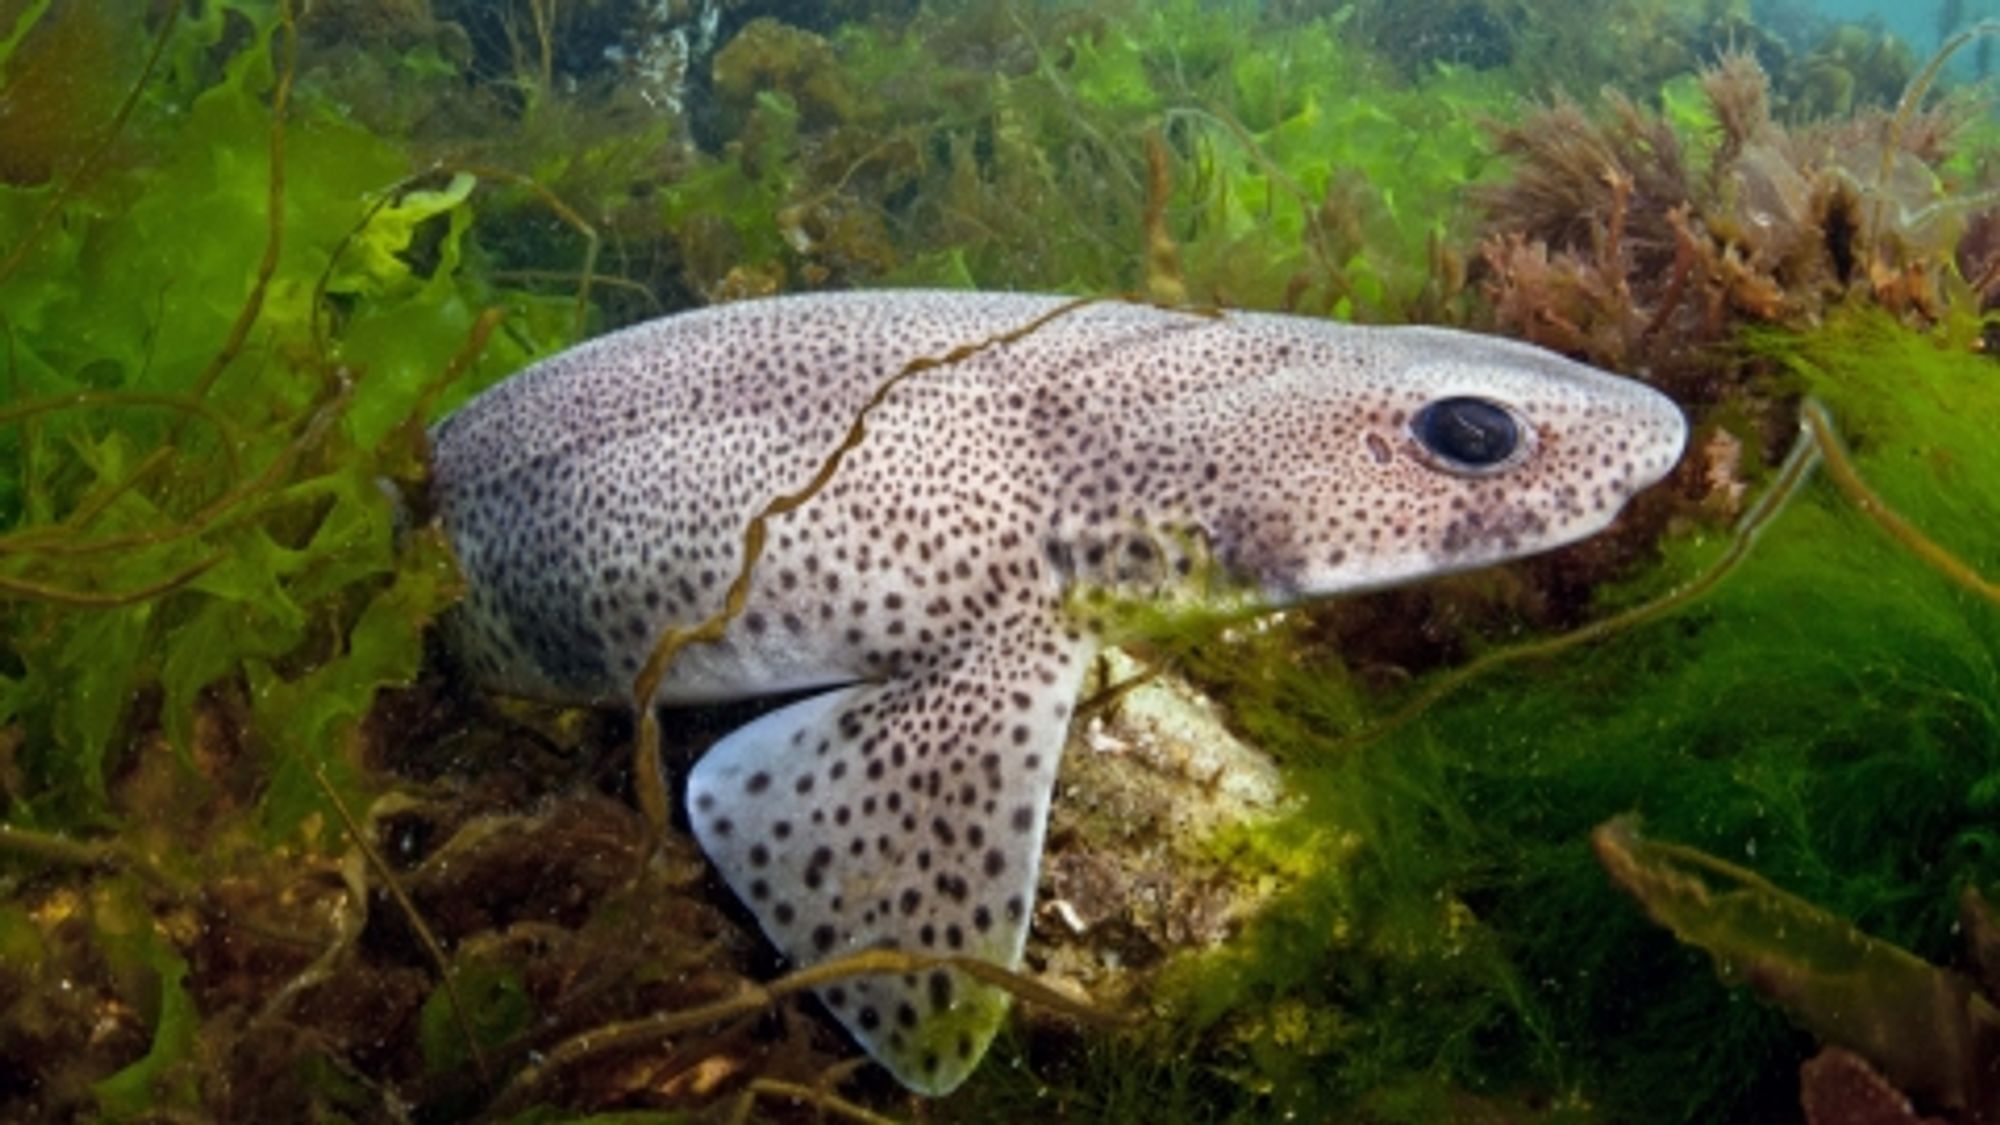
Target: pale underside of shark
[{"x": 941, "y": 588}]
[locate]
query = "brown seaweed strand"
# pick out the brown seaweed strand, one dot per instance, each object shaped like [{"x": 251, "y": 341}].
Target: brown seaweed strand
[
  {"x": 161, "y": 455},
  {"x": 408, "y": 907},
  {"x": 1988, "y": 278},
  {"x": 1677, "y": 279},
  {"x": 317, "y": 329},
  {"x": 409, "y": 466},
  {"x": 821, "y": 1097},
  {"x": 95, "y": 506},
  {"x": 218, "y": 511},
  {"x": 1164, "y": 280},
  {"x": 1621, "y": 836},
  {"x": 1792, "y": 473},
  {"x": 54, "y": 849},
  {"x": 1906, "y": 108},
  {"x": 1840, "y": 469},
  {"x": 753, "y": 997},
  {"x": 189, "y": 407},
  {"x": 274, "y": 208},
  {"x": 1612, "y": 257},
  {"x": 568, "y": 277},
  {"x": 483, "y": 328},
  {"x": 567, "y": 214},
  {"x": 645, "y": 777},
  {"x": 88, "y": 164},
  {"x": 544, "y": 13},
  {"x": 31, "y": 433},
  {"x": 16, "y": 411},
  {"x": 674, "y": 640},
  {"x": 461, "y": 362},
  {"x": 1316, "y": 236},
  {"x": 246, "y": 317},
  {"x": 28, "y": 538},
  {"x": 97, "y": 599},
  {"x": 1104, "y": 699}
]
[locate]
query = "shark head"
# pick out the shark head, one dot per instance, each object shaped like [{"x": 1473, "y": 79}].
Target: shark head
[{"x": 1405, "y": 453}]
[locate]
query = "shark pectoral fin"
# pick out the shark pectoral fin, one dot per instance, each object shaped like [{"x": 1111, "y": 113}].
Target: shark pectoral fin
[{"x": 903, "y": 815}]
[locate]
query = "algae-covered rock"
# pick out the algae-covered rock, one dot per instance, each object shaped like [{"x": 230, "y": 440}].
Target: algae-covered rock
[
  {"x": 1140, "y": 866},
  {"x": 768, "y": 56}
]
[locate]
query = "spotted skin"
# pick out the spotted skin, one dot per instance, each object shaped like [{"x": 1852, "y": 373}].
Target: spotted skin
[{"x": 941, "y": 586}]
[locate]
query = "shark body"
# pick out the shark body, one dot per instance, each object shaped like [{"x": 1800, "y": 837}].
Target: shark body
[{"x": 937, "y": 589}]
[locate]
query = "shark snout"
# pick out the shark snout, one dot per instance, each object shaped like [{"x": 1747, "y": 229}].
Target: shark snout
[
  {"x": 1660, "y": 434},
  {"x": 1634, "y": 440}
]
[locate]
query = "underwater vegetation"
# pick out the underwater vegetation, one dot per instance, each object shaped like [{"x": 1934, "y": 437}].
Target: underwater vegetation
[
  {"x": 262, "y": 858},
  {"x": 1654, "y": 41},
  {"x": 1645, "y": 237},
  {"x": 1824, "y": 717},
  {"x": 1910, "y": 1025}
]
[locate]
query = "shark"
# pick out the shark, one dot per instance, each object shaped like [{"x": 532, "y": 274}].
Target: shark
[{"x": 933, "y": 605}]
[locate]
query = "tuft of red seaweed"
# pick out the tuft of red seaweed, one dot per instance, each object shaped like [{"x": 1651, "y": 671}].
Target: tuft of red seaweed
[{"x": 1638, "y": 246}]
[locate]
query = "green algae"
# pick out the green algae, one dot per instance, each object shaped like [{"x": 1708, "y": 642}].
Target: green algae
[
  {"x": 213, "y": 338},
  {"x": 162, "y": 1079},
  {"x": 1826, "y": 717},
  {"x": 281, "y": 498}
]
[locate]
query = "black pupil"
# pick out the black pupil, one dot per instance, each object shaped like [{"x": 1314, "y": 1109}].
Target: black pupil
[{"x": 1468, "y": 431}]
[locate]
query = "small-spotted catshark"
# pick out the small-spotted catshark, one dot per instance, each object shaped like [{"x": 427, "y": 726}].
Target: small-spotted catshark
[{"x": 930, "y": 589}]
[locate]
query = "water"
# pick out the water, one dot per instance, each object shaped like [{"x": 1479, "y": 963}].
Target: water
[{"x": 1923, "y": 26}]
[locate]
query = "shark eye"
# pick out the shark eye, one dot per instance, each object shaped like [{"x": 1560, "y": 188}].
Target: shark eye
[{"x": 1467, "y": 433}]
